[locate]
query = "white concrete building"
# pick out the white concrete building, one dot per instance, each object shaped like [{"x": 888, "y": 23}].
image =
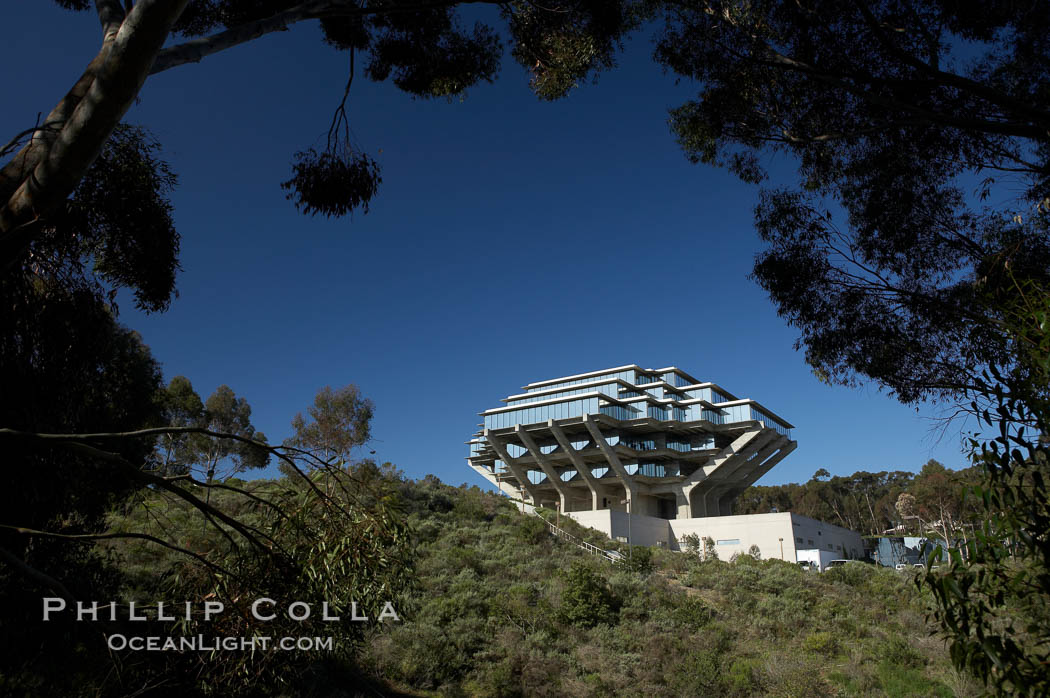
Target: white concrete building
[
  {"x": 648, "y": 456},
  {"x": 784, "y": 536}
]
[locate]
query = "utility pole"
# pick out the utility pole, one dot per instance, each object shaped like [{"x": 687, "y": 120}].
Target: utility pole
[{"x": 781, "y": 548}]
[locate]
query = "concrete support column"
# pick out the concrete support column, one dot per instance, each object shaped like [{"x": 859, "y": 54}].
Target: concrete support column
[
  {"x": 548, "y": 469},
  {"x": 681, "y": 500},
  {"x": 718, "y": 500},
  {"x": 582, "y": 468},
  {"x": 515, "y": 468},
  {"x": 694, "y": 488},
  {"x": 762, "y": 468},
  {"x": 629, "y": 486}
]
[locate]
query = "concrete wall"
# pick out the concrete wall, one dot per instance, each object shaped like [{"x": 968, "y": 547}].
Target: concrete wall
[
  {"x": 763, "y": 530},
  {"x": 842, "y": 542},
  {"x": 599, "y": 520},
  {"x": 776, "y": 535},
  {"x": 639, "y": 530}
]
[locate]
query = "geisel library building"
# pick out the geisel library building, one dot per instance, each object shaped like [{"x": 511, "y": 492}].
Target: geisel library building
[{"x": 649, "y": 456}]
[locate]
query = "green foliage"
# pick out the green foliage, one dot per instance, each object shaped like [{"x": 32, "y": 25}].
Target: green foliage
[
  {"x": 868, "y": 502},
  {"x": 637, "y": 558},
  {"x": 866, "y": 97},
  {"x": 586, "y": 599},
  {"x": 742, "y": 677},
  {"x": 821, "y": 642},
  {"x": 896, "y": 651},
  {"x": 530, "y": 529},
  {"x": 710, "y": 551},
  {"x": 560, "y": 49},
  {"x": 67, "y": 365},
  {"x": 340, "y": 548},
  {"x": 691, "y": 543},
  {"x": 120, "y": 217},
  {"x": 336, "y": 536},
  {"x": 994, "y": 596},
  {"x": 504, "y": 608},
  {"x": 225, "y": 413},
  {"x": 339, "y": 421},
  {"x": 332, "y": 183}
]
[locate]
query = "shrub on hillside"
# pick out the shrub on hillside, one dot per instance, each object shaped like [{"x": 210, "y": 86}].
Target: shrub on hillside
[
  {"x": 586, "y": 599},
  {"x": 821, "y": 642},
  {"x": 638, "y": 558}
]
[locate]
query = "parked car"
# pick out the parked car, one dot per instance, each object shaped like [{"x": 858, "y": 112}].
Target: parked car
[
  {"x": 901, "y": 566},
  {"x": 837, "y": 563}
]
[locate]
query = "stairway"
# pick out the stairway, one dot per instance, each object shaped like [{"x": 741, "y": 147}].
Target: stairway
[{"x": 582, "y": 544}]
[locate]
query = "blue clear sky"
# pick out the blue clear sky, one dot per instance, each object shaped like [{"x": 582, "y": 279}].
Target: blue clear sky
[{"x": 512, "y": 240}]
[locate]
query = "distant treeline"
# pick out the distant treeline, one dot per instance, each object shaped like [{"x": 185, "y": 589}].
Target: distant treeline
[{"x": 933, "y": 501}]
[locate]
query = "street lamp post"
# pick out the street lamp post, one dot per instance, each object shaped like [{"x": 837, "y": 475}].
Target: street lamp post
[{"x": 781, "y": 548}]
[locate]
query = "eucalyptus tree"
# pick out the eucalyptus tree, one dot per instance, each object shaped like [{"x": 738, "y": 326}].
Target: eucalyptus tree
[
  {"x": 912, "y": 247},
  {"x": 920, "y": 133},
  {"x": 339, "y": 421},
  {"x": 423, "y": 47},
  {"x": 182, "y": 407},
  {"x": 226, "y": 413}
]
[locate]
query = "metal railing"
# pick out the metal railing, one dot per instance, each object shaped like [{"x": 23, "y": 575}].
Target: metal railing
[
  {"x": 579, "y": 543},
  {"x": 559, "y": 532}
]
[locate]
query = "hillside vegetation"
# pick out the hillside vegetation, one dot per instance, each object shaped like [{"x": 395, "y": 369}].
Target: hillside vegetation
[
  {"x": 492, "y": 605},
  {"x": 502, "y": 608}
]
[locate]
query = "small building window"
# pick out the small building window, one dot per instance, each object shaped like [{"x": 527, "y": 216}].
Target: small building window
[
  {"x": 799, "y": 540},
  {"x": 811, "y": 541}
]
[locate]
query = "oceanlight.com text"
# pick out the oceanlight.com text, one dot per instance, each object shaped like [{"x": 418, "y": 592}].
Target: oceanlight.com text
[{"x": 202, "y": 643}]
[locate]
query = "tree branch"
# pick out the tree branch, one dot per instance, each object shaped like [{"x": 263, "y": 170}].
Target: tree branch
[
  {"x": 109, "y": 96},
  {"x": 248, "y": 532},
  {"x": 280, "y": 451},
  {"x": 36, "y": 574},
  {"x": 92, "y": 537},
  {"x": 197, "y": 49},
  {"x": 775, "y": 59},
  {"x": 33, "y": 153},
  {"x": 110, "y": 14},
  {"x": 952, "y": 79}
]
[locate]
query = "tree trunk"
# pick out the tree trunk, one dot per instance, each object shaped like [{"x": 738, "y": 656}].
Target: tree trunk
[{"x": 113, "y": 86}]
